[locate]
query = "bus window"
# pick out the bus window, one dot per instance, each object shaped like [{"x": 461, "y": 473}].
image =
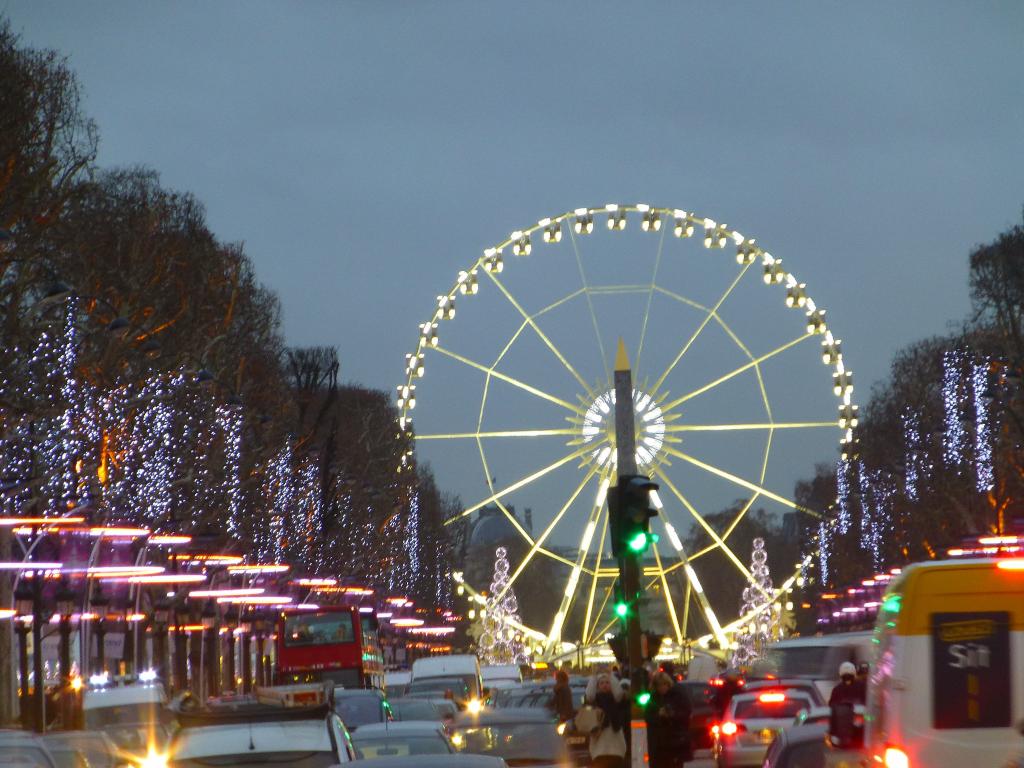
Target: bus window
[{"x": 323, "y": 629}]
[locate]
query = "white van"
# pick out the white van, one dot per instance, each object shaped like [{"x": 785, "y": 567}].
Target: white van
[
  {"x": 435, "y": 675},
  {"x": 133, "y": 716},
  {"x": 501, "y": 675},
  {"x": 946, "y": 685},
  {"x": 818, "y": 658}
]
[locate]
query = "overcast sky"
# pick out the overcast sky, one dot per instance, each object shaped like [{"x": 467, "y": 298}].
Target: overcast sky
[{"x": 367, "y": 151}]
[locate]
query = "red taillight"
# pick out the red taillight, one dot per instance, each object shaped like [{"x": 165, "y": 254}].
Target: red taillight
[
  {"x": 729, "y": 728},
  {"x": 715, "y": 730},
  {"x": 1013, "y": 564},
  {"x": 896, "y": 758},
  {"x": 772, "y": 698},
  {"x": 717, "y": 682}
]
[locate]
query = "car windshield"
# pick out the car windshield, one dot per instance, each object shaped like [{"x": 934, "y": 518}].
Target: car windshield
[
  {"x": 414, "y": 709},
  {"x": 439, "y": 685},
  {"x": 517, "y": 743},
  {"x": 322, "y": 629},
  {"x": 68, "y": 758},
  {"x": 775, "y": 710},
  {"x": 296, "y": 759},
  {"x": 400, "y": 746},
  {"x": 800, "y": 660},
  {"x": 358, "y": 710},
  {"x": 17, "y": 756}
]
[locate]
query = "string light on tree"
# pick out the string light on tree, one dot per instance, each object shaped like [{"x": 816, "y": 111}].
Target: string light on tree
[
  {"x": 824, "y": 545},
  {"x": 843, "y": 516},
  {"x": 984, "y": 469},
  {"x": 757, "y": 600},
  {"x": 914, "y": 454},
  {"x": 955, "y": 436}
]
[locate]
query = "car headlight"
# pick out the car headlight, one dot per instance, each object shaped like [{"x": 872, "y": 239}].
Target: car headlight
[
  {"x": 561, "y": 728},
  {"x": 153, "y": 759},
  {"x": 473, "y": 706}
]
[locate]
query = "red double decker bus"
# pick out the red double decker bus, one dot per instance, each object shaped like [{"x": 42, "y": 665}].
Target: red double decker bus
[{"x": 333, "y": 644}]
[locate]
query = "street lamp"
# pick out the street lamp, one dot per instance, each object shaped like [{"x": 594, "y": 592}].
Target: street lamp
[{"x": 246, "y": 627}]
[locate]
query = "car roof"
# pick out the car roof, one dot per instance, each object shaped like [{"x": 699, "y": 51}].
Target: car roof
[
  {"x": 803, "y": 734},
  {"x": 124, "y": 694},
  {"x": 838, "y": 640},
  {"x": 437, "y": 761},
  {"x": 236, "y": 738},
  {"x": 12, "y": 735},
  {"x": 505, "y": 715},
  {"x": 349, "y": 692},
  {"x": 397, "y": 728}
]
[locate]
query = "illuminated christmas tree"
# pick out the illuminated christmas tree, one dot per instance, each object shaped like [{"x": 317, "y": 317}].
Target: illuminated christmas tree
[
  {"x": 757, "y": 603},
  {"x": 500, "y": 642}
]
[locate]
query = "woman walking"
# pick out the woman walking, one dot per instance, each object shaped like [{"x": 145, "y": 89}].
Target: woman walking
[
  {"x": 668, "y": 723},
  {"x": 608, "y": 740}
]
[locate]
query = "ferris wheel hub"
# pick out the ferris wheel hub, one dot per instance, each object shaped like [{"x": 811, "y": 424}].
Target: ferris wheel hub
[{"x": 599, "y": 428}]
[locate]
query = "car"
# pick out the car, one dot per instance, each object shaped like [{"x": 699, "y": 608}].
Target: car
[
  {"x": 501, "y": 675},
  {"x": 702, "y": 712},
  {"x": 813, "y": 716},
  {"x": 802, "y": 746},
  {"x": 416, "y": 709},
  {"x": 788, "y": 684},
  {"x": 134, "y": 716},
  {"x": 523, "y": 736},
  {"x": 439, "y": 761},
  {"x": 465, "y": 666},
  {"x": 751, "y": 722},
  {"x": 438, "y": 688},
  {"x": 95, "y": 748},
  {"x": 360, "y": 706},
  {"x": 412, "y": 737},
  {"x": 244, "y": 731},
  {"x": 24, "y": 750},
  {"x": 396, "y": 681}
]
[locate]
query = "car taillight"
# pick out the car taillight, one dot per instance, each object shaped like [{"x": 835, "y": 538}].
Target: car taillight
[
  {"x": 729, "y": 728},
  {"x": 896, "y": 758},
  {"x": 717, "y": 682},
  {"x": 772, "y": 698}
]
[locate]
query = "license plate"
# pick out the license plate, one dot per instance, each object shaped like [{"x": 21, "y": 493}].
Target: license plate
[
  {"x": 577, "y": 740},
  {"x": 767, "y": 735}
]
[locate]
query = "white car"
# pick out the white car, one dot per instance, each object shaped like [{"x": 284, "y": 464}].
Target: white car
[
  {"x": 133, "y": 716},
  {"x": 253, "y": 733},
  {"x": 396, "y": 739},
  {"x": 751, "y": 722}
]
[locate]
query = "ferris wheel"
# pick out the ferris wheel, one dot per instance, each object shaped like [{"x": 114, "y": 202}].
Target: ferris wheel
[{"x": 732, "y": 400}]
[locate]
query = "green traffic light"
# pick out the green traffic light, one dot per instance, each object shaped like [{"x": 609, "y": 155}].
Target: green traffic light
[
  {"x": 643, "y": 698},
  {"x": 621, "y": 610},
  {"x": 638, "y": 542}
]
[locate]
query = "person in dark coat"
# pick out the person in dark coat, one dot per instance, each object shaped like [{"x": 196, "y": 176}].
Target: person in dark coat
[
  {"x": 562, "y": 702},
  {"x": 668, "y": 723}
]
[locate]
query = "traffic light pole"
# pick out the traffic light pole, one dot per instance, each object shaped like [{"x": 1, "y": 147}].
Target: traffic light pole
[{"x": 629, "y": 566}]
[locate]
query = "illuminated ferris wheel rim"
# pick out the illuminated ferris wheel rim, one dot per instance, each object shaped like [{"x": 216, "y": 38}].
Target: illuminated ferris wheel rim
[{"x": 716, "y": 236}]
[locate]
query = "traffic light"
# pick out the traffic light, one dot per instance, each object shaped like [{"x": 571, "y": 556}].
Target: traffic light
[{"x": 630, "y": 510}]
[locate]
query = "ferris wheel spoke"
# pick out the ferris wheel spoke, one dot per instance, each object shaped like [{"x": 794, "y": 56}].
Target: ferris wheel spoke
[
  {"x": 702, "y": 522},
  {"x": 598, "y": 554},
  {"x": 511, "y": 380},
  {"x": 668, "y": 595},
  {"x": 505, "y": 433},
  {"x": 536, "y": 328},
  {"x": 574, "y": 575},
  {"x": 713, "y": 312},
  {"x": 738, "y": 481},
  {"x": 519, "y": 484},
  {"x": 590, "y": 304},
  {"x": 650, "y": 299},
  {"x": 754, "y": 426},
  {"x": 737, "y": 371},
  {"x": 539, "y": 542}
]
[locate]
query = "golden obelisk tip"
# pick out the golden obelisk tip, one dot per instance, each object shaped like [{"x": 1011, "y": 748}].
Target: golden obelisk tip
[{"x": 621, "y": 358}]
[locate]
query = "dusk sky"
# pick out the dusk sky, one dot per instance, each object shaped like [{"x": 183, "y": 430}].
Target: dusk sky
[{"x": 365, "y": 152}]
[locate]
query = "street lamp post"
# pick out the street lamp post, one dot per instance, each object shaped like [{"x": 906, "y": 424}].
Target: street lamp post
[
  {"x": 180, "y": 644},
  {"x": 99, "y": 604},
  {"x": 231, "y": 621},
  {"x": 65, "y": 607},
  {"x": 39, "y": 617},
  {"x": 161, "y": 617},
  {"x": 211, "y": 651},
  {"x": 23, "y": 604},
  {"x": 246, "y": 627}
]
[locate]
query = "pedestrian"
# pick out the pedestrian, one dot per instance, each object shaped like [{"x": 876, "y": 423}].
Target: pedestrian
[
  {"x": 608, "y": 739},
  {"x": 848, "y": 693},
  {"x": 850, "y": 690},
  {"x": 668, "y": 723},
  {"x": 562, "y": 702}
]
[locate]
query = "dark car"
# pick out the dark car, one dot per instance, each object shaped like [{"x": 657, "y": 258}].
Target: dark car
[
  {"x": 702, "y": 712},
  {"x": 415, "y": 709},
  {"x": 802, "y": 746},
  {"x": 525, "y": 736},
  {"x": 360, "y": 706}
]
